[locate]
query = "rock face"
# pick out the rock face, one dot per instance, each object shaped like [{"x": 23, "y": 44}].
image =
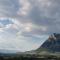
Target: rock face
[{"x": 52, "y": 43}]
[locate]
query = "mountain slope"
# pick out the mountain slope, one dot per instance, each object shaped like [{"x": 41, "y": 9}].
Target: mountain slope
[{"x": 51, "y": 44}]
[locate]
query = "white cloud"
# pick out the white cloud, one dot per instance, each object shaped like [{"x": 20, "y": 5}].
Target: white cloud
[
  {"x": 18, "y": 40},
  {"x": 44, "y": 3},
  {"x": 12, "y": 24},
  {"x": 15, "y": 43},
  {"x": 25, "y": 7},
  {"x": 43, "y": 28},
  {"x": 8, "y": 26}
]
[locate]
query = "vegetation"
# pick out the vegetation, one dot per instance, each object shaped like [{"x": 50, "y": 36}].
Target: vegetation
[{"x": 30, "y": 57}]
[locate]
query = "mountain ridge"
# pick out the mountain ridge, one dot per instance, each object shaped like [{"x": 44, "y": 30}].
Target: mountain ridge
[{"x": 52, "y": 43}]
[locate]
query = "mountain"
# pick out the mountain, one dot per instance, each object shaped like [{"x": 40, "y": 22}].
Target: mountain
[
  {"x": 6, "y": 51},
  {"x": 52, "y": 44}
]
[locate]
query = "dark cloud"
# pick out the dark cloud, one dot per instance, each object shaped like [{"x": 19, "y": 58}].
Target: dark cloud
[
  {"x": 8, "y": 7},
  {"x": 48, "y": 16}
]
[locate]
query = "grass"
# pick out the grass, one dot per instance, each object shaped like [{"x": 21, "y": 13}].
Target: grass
[{"x": 30, "y": 57}]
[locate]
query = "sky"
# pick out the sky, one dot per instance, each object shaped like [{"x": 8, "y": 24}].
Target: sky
[{"x": 26, "y": 24}]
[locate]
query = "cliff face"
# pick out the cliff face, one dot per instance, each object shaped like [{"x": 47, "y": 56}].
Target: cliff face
[{"x": 52, "y": 43}]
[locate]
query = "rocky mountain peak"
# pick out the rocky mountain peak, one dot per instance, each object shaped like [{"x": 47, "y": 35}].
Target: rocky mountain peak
[
  {"x": 52, "y": 43},
  {"x": 54, "y": 36}
]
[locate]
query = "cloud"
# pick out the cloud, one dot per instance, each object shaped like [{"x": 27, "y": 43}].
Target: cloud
[
  {"x": 30, "y": 43},
  {"x": 8, "y": 8},
  {"x": 25, "y": 7},
  {"x": 5, "y": 23},
  {"x": 28, "y": 21},
  {"x": 17, "y": 32},
  {"x": 45, "y": 13}
]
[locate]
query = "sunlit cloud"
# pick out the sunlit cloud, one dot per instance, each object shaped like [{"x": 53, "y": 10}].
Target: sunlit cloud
[{"x": 25, "y": 7}]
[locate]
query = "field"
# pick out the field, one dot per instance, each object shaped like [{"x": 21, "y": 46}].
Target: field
[{"x": 30, "y": 57}]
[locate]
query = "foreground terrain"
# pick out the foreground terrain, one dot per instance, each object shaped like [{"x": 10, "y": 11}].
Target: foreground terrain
[{"x": 29, "y": 57}]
